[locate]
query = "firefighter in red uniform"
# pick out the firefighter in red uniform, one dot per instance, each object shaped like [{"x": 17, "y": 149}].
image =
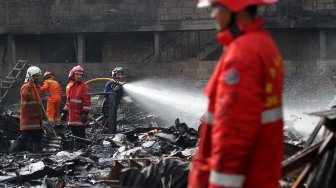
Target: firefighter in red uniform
[
  {"x": 30, "y": 113},
  {"x": 78, "y": 104},
  {"x": 241, "y": 138}
]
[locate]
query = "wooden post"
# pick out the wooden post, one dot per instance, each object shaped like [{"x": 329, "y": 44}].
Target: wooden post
[{"x": 112, "y": 116}]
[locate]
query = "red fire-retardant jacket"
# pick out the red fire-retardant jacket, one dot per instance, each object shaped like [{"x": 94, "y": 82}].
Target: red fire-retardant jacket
[
  {"x": 241, "y": 142},
  {"x": 77, "y": 102}
]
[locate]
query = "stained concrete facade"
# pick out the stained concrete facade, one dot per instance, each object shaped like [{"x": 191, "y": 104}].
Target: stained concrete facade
[{"x": 156, "y": 37}]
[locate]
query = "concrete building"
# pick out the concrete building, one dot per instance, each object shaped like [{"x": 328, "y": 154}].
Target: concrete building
[{"x": 157, "y": 37}]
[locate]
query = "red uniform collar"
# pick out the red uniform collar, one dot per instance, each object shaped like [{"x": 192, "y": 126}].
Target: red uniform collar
[{"x": 226, "y": 37}]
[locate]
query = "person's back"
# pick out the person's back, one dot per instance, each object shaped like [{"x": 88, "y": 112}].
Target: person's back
[
  {"x": 54, "y": 93},
  {"x": 264, "y": 58},
  {"x": 55, "y": 90}
]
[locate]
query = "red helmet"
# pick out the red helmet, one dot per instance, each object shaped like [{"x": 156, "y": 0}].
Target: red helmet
[
  {"x": 76, "y": 69},
  {"x": 235, "y": 5},
  {"x": 48, "y": 74}
]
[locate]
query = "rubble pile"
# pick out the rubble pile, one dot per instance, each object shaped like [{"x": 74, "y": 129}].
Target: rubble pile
[
  {"x": 139, "y": 138},
  {"x": 144, "y": 153}
]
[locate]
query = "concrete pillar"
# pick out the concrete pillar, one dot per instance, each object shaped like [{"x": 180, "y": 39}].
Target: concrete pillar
[
  {"x": 323, "y": 45},
  {"x": 80, "y": 49},
  {"x": 11, "y": 52},
  {"x": 157, "y": 46}
]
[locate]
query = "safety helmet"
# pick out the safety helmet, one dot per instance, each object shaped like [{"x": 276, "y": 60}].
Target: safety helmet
[
  {"x": 77, "y": 69},
  {"x": 117, "y": 70},
  {"x": 32, "y": 71},
  {"x": 235, "y": 5},
  {"x": 48, "y": 74}
]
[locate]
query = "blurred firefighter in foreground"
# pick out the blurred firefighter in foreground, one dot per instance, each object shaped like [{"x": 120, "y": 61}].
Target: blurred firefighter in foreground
[
  {"x": 115, "y": 86},
  {"x": 30, "y": 113},
  {"x": 241, "y": 140},
  {"x": 78, "y": 104},
  {"x": 54, "y": 93}
]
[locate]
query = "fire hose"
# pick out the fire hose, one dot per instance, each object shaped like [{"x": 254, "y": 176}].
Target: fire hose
[{"x": 105, "y": 79}]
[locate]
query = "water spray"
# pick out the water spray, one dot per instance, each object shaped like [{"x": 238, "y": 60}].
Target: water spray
[{"x": 169, "y": 100}]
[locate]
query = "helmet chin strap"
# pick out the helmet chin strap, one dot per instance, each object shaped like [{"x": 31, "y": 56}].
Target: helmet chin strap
[{"x": 233, "y": 28}]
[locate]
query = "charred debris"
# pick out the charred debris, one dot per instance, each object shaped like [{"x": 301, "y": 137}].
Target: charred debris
[{"x": 140, "y": 154}]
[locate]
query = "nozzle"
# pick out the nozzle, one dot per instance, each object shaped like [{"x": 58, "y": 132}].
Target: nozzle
[{"x": 119, "y": 82}]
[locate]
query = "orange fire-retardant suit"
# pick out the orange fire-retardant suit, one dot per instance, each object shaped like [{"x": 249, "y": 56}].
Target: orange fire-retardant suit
[
  {"x": 241, "y": 139},
  {"x": 30, "y": 113},
  {"x": 54, "y": 92}
]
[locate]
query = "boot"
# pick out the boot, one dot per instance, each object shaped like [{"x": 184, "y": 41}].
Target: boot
[
  {"x": 17, "y": 146},
  {"x": 37, "y": 148}
]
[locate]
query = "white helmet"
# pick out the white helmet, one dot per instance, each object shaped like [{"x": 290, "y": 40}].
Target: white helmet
[
  {"x": 31, "y": 71},
  {"x": 117, "y": 70}
]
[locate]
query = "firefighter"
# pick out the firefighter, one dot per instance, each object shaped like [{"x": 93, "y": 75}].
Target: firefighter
[
  {"x": 115, "y": 86},
  {"x": 54, "y": 93},
  {"x": 78, "y": 104},
  {"x": 241, "y": 136},
  {"x": 30, "y": 113}
]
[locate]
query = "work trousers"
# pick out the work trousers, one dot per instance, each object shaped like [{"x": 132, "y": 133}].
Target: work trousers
[
  {"x": 78, "y": 131},
  {"x": 53, "y": 110},
  {"x": 20, "y": 144}
]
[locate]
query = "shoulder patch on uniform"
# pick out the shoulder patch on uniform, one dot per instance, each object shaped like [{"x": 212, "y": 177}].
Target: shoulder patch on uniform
[{"x": 232, "y": 77}]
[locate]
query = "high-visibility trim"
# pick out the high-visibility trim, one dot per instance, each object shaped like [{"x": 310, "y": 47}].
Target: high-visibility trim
[
  {"x": 209, "y": 118},
  {"x": 75, "y": 123},
  {"x": 76, "y": 101},
  {"x": 30, "y": 126},
  {"x": 25, "y": 91},
  {"x": 28, "y": 102},
  {"x": 66, "y": 107},
  {"x": 271, "y": 115},
  {"x": 52, "y": 81},
  {"x": 86, "y": 108},
  {"x": 226, "y": 180}
]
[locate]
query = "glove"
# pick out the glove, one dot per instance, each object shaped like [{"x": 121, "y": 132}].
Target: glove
[
  {"x": 85, "y": 117},
  {"x": 64, "y": 115},
  {"x": 120, "y": 82},
  {"x": 31, "y": 80}
]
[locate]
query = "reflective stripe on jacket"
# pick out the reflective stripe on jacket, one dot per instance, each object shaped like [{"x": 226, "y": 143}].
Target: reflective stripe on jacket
[
  {"x": 77, "y": 102},
  {"x": 30, "y": 116},
  {"x": 241, "y": 139}
]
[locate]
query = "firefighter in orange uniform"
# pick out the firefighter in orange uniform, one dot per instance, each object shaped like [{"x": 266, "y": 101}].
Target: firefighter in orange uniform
[
  {"x": 241, "y": 139},
  {"x": 54, "y": 93},
  {"x": 78, "y": 103},
  {"x": 30, "y": 113}
]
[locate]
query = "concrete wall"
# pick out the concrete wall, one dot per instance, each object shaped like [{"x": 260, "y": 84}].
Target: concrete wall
[
  {"x": 45, "y": 31},
  {"x": 130, "y": 47},
  {"x": 72, "y": 16},
  {"x": 64, "y": 16}
]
